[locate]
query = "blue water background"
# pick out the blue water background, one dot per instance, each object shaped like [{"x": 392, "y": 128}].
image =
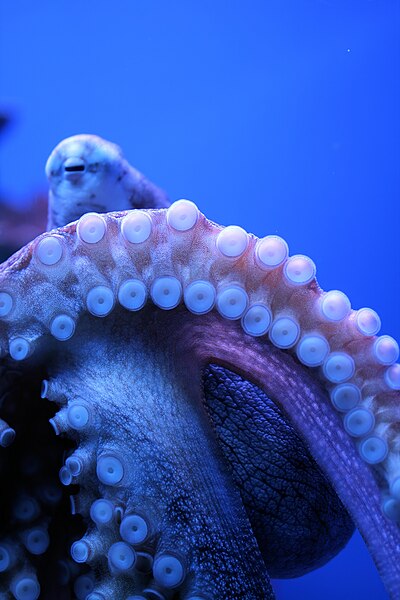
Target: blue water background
[{"x": 279, "y": 116}]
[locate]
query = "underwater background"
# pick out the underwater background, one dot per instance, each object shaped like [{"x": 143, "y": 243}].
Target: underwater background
[{"x": 279, "y": 116}]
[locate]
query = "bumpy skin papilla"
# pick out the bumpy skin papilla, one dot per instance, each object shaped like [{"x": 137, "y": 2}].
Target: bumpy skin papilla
[{"x": 87, "y": 173}]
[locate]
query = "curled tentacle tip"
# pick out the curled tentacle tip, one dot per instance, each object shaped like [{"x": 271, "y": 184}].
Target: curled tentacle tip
[
  {"x": 118, "y": 514},
  {"x": 73, "y": 505},
  {"x": 53, "y": 422}
]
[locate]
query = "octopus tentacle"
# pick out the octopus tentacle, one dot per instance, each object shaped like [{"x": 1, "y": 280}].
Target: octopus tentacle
[
  {"x": 308, "y": 407},
  {"x": 343, "y": 382},
  {"x": 171, "y": 501}
]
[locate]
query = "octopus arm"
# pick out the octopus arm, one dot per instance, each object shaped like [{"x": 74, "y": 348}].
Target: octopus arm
[
  {"x": 296, "y": 516},
  {"x": 124, "y": 312}
]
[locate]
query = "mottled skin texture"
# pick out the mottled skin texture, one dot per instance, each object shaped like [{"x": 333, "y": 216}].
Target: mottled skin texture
[
  {"x": 212, "y": 461},
  {"x": 298, "y": 519}
]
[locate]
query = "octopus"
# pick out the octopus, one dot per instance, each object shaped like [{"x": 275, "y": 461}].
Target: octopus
[{"x": 185, "y": 413}]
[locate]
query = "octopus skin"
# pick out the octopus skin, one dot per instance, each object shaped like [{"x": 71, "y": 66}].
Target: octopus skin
[
  {"x": 218, "y": 416},
  {"x": 87, "y": 173}
]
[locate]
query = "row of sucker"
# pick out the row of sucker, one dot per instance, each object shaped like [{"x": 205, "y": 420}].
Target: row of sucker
[
  {"x": 120, "y": 539},
  {"x": 176, "y": 255}
]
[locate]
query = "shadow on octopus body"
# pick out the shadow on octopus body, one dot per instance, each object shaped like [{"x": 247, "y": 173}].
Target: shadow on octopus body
[{"x": 211, "y": 431}]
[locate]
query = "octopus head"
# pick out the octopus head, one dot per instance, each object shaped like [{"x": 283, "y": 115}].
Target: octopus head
[{"x": 82, "y": 171}]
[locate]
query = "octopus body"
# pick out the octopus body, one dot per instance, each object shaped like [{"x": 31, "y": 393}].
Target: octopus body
[{"x": 218, "y": 417}]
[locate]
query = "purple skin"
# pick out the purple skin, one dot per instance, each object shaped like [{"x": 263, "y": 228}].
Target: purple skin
[{"x": 227, "y": 481}]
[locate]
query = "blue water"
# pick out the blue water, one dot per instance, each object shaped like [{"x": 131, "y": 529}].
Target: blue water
[{"x": 280, "y": 116}]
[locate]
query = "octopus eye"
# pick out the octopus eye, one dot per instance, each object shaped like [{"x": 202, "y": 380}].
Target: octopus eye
[{"x": 73, "y": 165}]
